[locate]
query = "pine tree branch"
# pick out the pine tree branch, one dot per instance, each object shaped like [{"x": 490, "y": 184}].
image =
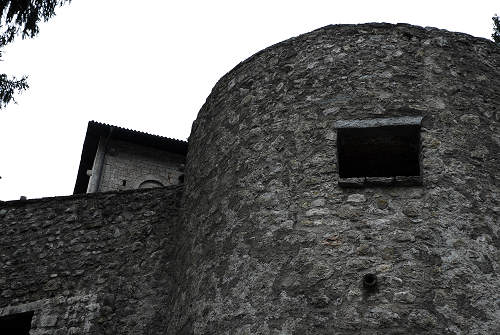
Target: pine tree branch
[
  {"x": 8, "y": 87},
  {"x": 21, "y": 17},
  {"x": 496, "y": 29}
]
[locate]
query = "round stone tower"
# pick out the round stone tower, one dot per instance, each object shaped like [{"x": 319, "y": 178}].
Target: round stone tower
[{"x": 345, "y": 181}]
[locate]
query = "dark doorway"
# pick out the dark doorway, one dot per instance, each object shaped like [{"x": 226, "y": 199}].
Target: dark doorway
[{"x": 16, "y": 324}]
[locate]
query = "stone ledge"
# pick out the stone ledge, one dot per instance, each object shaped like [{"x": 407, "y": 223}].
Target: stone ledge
[
  {"x": 14, "y": 203},
  {"x": 380, "y": 181}
]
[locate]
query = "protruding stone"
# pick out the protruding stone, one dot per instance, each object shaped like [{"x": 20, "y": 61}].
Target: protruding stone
[
  {"x": 317, "y": 211},
  {"x": 404, "y": 297},
  {"x": 318, "y": 202},
  {"x": 356, "y": 198},
  {"x": 382, "y": 203}
]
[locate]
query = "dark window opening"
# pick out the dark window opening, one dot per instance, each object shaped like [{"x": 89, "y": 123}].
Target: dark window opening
[
  {"x": 373, "y": 148},
  {"x": 16, "y": 324},
  {"x": 124, "y": 182}
]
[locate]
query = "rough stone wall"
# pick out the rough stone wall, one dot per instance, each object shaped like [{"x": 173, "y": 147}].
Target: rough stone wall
[
  {"x": 277, "y": 247},
  {"x": 136, "y": 164},
  {"x": 267, "y": 242},
  {"x": 90, "y": 264}
]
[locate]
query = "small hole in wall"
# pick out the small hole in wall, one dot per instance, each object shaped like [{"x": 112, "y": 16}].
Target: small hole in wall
[
  {"x": 124, "y": 182},
  {"x": 16, "y": 324},
  {"x": 369, "y": 281}
]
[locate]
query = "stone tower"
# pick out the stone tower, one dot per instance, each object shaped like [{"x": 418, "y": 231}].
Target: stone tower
[{"x": 346, "y": 182}]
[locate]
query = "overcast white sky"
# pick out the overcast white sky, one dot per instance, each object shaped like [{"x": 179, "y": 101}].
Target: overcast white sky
[{"x": 149, "y": 65}]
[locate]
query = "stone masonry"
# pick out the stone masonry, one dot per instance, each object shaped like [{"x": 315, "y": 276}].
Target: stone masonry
[
  {"x": 90, "y": 264},
  {"x": 132, "y": 164},
  {"x": 276, "y": 246},
  {"x": 264, "y": 237}
]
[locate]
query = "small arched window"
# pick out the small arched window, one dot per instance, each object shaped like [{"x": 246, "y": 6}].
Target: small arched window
[{"x": 150, "y": 184}]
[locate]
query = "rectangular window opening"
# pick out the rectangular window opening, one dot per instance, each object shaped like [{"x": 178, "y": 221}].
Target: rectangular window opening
[
  {"x": 16, "y": 324},
  {"x": 379, "y": 151}
]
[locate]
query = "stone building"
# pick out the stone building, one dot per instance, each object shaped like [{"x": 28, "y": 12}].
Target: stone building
[
  {"x": 344, "y": 181},
  {"x": 115, "y": 158}
]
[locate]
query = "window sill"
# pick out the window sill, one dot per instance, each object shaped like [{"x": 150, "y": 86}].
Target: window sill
[{"x": 380, "y": 181}]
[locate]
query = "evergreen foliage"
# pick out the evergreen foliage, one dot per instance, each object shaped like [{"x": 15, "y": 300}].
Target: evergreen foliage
[
  {"x": 8, "y": 87},
  {"x": 496, "y": 29},
  {"x": 21, "y": 17}
]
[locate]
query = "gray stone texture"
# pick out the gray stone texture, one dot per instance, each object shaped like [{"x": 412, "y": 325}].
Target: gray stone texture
[
  {"x": 98, "y": 263},
  {"x": 276, "y": 246},
  {"x": 135, "y": 164},
  {"x": 266, "y": 238}
]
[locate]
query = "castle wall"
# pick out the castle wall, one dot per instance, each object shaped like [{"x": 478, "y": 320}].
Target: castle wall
[
  {"x": 98, "y": 263},
  {"x": 276, "y": 246},
  {"x": 132, "y": 164},
  {"x": 267, "y": 239}
]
